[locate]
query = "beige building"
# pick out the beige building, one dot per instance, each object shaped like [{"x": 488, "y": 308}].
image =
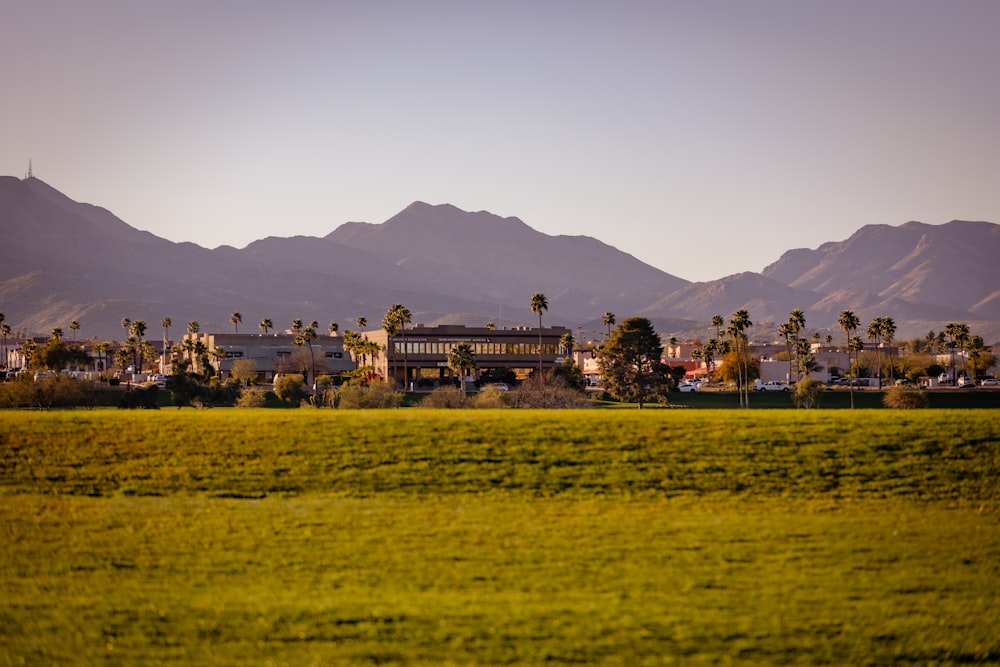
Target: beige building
[
  {"x": 276, "y": 353},
  {"x": 420, "y": 354}
]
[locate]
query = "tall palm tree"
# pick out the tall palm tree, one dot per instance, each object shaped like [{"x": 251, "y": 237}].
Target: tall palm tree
[
  {"x": 539, "y": 304},
  {"x": 566, "y": 342},
  {"x": 738, "y": 325},
  {"x": 362, "y": 322},
  {"x": 138, "y": 331},
  {"x": 297, "y": 325},
  {"x": 888, "y": 332},
  {"x": 849, "y": 322},
  {"x": 958, "y": 332},
  {"x": 166, "y": 323},
  {"x": 786, "y": 331},
  {"x": 5, "y": 332},
  {"x": 57, "y": 334},
  {"x": 126, "y": 325},
  {"x": 461, "y": 359},
  {"x": 305, "y": 337},
  {"x": 266, "y": 325},
  {"x": 333, "y": 328},
  {"x": 874, "y": 333},
  {"x": 395, "y": 321},
  {"x": 718, "y": 323},
  {"x": 74, "y": 326},
  {"x": 236, "y": 320},
  {"x": 609, "y": 321},
  {"x": 491, "y": 325},
  {"x": 193, "y": 327}
]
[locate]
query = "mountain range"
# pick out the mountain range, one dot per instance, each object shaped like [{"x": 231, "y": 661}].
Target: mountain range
[{"x": 62, "y": 260}]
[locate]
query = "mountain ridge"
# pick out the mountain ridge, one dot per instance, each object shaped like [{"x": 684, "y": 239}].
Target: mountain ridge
[{"x": 79, "y": 261}]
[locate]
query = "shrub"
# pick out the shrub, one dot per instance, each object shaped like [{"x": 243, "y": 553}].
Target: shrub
[
  {"x": 905, "y": 398},
  {"x": 291, "y": 389},
  {"x": 251, "y": 398},
  {"x": 375, "y": 395},
  {"x": 491, "y": 397},
  {"x": 547, "y": 392},
  {"x": 444, "y": 397},
  {"x": 808, "y": 392}
]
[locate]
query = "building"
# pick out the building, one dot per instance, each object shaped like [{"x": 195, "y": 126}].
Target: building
[
  {"x": 419, "y": 356},
  {"x": 275, "y": 353}
]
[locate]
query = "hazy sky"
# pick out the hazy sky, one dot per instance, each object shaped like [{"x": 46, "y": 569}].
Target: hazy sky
[{"x": 704, "y": 137}]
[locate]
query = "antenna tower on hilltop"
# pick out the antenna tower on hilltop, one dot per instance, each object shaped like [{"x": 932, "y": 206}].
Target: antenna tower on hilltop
[{"x": 29, "y": 174}]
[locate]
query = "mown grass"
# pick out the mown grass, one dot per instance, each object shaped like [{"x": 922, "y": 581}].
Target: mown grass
[{"x": 496, "y": 537}]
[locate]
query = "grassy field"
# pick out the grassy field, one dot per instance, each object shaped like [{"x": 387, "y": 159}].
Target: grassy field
[{"x": 230, "y": 537}]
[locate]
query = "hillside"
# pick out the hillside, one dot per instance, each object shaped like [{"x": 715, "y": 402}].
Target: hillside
[{"x": 62, "y": 260}]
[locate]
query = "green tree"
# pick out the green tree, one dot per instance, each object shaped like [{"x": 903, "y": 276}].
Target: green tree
[
  {"x": 362, "y": 323},
  {"x": 266, "y": 325},
  {"x": 630, "y": 362},
  {"x": 808, "y": 392},
  {"x": 74, "y": 326},
  {"x": 193, "y": 327},
  {"x": 236, "y": 320},
  {"x": 333, "y": 328},
  {"x": 849, "y": 322},
  {"x": 539, "y": 305},
  {"x": 462, "y": 360}
]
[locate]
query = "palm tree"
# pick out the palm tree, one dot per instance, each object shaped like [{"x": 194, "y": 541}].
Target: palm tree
[
  {"x": 395, "y": 321},
  {"x": 57, "y": 334},
  {"x": 266, "y": 325},
  {"x": 5, "y": 332},
  {"x": 193, "y": 327},
  {"x": 786, "y": 331},
  {"x": 539, "y": 304},
  {"x": 461, "y": 359},
  {"x": 166, "y": 323},
  {"x": 738, "y": 326},
  {"x": 874, "y": 332},
  {"x": 236, "y": 320},
  {"x": 138, "y": 331},
  {"x": 74, "y": 326},
  {"x": 566, "y": 342},
  {"x": 491, "y": 325},
  {"x": 888, "y": 331},
  {"x": 849, "y": 322},
  {"x": 126, "y": 325},
  {"x": 334, "y": 328},
  {"x": 362, "y": 322},
  {"x": 305, "y": 337},
  {"x": 718, "y": 323},
  {"x": 609, "y": 321},
  {"x": 297, "y": 325},
  {"x": 958, "y": 332}
]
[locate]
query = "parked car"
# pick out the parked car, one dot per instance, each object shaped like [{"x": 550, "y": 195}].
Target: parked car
[
  {"x": 771, "y": 385},
  {"x": 965, "y": 382},
  {"x": 500, "y": 386},
  {"x": 687, "y": 386},
  {"x": 990, "y": 382}
]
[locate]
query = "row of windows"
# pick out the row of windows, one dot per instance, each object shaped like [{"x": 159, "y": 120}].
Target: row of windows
[{"x": 478, "y": 349}]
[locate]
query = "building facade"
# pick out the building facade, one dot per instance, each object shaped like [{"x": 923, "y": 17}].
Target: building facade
[
  {"x": 275, "y": 353},
  {"x": 419, "y": 356}
]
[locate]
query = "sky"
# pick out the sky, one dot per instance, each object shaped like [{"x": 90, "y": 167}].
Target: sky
[{"x": 704, "y": 137}]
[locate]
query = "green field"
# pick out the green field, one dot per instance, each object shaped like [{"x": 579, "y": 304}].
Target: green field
[{"x": 603, "y": 537}]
